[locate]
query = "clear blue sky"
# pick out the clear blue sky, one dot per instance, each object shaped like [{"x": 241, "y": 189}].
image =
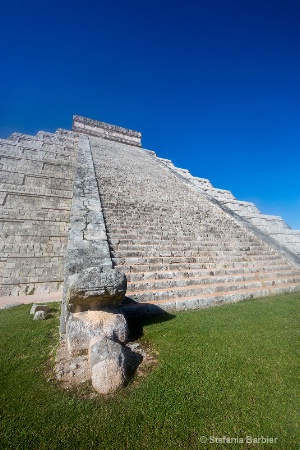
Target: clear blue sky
[{"x": 213, "y": 85}]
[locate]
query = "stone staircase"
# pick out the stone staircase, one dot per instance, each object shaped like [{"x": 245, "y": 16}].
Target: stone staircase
[
  {"x": 177, "y": 249},
  {"x": 273, "y": 226}
]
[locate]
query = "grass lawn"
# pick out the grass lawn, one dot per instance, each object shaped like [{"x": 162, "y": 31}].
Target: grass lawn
[{"x": 229, "y": 371}]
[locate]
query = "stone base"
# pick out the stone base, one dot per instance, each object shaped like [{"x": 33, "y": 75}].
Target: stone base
[
  {"x": 82, "y": 327},
  {"x": 95, "y": 288}
]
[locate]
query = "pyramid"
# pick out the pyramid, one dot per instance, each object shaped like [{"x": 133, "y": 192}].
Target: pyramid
[{"x": 93, "y": 197}]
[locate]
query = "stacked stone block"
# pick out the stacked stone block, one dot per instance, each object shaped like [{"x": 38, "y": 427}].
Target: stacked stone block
[
  {"x": 92, "y": 288},
  {"x": 87, "y": 243},
  {"x": 36, "y": 176}
]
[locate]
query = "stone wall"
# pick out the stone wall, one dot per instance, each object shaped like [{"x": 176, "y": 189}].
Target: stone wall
[{"x": 36, "y": 175}]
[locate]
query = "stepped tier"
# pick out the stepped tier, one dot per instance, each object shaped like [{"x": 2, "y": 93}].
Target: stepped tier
[
  {"x": 273, "y": 226},
  {"x": 36, "y": 188}
]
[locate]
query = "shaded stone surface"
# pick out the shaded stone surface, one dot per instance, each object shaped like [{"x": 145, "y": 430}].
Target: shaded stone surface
[{"x": 95, "y": 288}]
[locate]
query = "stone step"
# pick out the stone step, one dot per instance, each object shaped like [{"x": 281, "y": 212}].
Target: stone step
[
  {"x": 143, "y": 217},
  {"x": 152, "y": 285},
  {"x": 36, "y": 190},
  {"x": 163, "y": 251},
  {"x": 179, "y": 239},
  {"x": 247, "y": 266},
  {"x": 175, "y": 232},
  {"x": 136, "y": 309},
  {"x": 185, "y": 274},
  {"x": 187, "y": 291},
  {"x": 158, "y": 246},
  {"x": 181, "y": 242},
  {"x": 236, "y": 273},
  {"x": 163, "y": 226},
  {"x": 163, "y": 221},
  {"x": 149, "y": 239},
  {"x": 45, "y": 137},
  {"x": 128, "y": 244},
  {"x": 55, "y": 155},
  {"x": 194, "y": 259},
  {"x": 25, "y": 142}
]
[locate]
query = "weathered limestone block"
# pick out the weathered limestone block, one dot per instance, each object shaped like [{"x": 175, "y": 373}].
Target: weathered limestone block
[
  {"x": 40, "y": 315},
  {"x": 36, "y": 308},
  {"x": 84, "y": 326},
  {"x": 95, "y": 288},
  {"x": 107, "y": 361}
]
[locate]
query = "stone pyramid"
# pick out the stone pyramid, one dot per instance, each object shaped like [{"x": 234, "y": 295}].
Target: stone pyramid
[{"x": 93, "y": 197}]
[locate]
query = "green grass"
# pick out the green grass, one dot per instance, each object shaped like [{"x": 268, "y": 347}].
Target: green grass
[{"x": 229, "y": 371}]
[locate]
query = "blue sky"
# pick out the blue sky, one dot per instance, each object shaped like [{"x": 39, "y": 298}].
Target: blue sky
[{"x": 213, "y": 85}]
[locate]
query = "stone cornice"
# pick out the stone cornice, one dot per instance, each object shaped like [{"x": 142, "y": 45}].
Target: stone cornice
[{"x": 106, "y": 131}]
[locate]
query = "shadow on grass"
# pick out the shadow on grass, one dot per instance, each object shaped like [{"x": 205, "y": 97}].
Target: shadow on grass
[{"x": 139, "y": 315}]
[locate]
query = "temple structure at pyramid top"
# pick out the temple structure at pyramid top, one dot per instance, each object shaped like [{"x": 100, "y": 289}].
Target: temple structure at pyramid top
[{"x": 106, "y": 131}]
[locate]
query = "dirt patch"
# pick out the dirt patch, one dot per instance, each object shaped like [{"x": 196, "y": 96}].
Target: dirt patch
[
  {"x": 70, "y": 371},
  {"x": 74, "y": 371}
]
